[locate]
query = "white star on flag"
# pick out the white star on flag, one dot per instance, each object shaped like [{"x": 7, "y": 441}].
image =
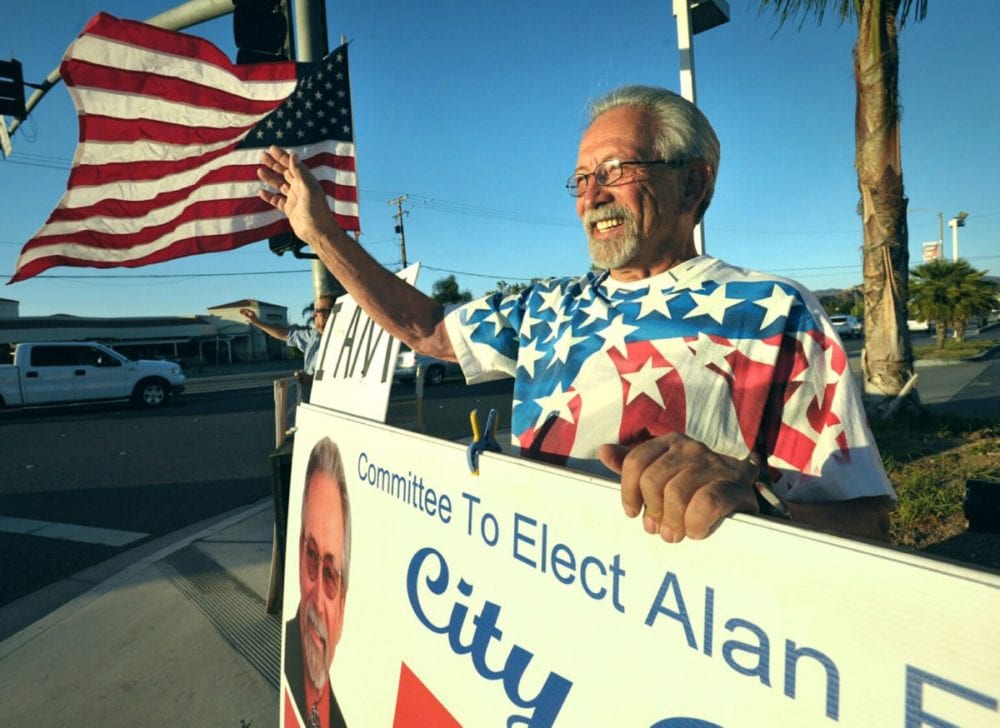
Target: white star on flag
[
  {"x": 557, "y": 402},
  {"x": 775, "y": 306},
  {"x": 715, "y": 304},
  {"x": 646, "y": 381},
  {"x": 614, "y": 334}
]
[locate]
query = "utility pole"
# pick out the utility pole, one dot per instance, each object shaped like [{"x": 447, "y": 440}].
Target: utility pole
[
  {"x": 400, "y": 212},
  {"x": 955, "y": 223},
  {"x": 695, "y": 16}
]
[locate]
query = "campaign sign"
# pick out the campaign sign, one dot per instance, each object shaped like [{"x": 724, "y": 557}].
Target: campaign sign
[
  {"x": 356, "y": 359},
  {"x": 524, "y": 597}
]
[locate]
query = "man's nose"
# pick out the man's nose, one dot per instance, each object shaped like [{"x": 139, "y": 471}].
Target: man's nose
[{"x": 594, "y": 195}]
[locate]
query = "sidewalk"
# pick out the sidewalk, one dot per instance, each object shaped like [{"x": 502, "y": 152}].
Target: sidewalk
[
  {"x": 179, "y": 638},
  {"x": 179, "y": 635}
]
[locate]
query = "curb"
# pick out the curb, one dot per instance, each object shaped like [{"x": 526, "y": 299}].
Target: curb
[{"x": 33, "y": 614}]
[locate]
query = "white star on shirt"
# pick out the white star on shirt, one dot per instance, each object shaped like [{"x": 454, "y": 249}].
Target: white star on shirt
[
  {"x": 714, "y": 304},
  {"x": 564, "y": 344},
  {"x": 775, "y": 306},
  {"x": 645, "y": 381},
  {"x": 707, "y": 351},
  {"x": 527, "y": 356},
  {"x": 530, "y": 321},
  {"x": 656, "y": 303},
  {"x": 550, "y": 299},
  {"x": 597, "y": 310},
  {"x": 557, "y": 402},
  {"x": 614, "y": 334},
  {"x": 495, "y": 319}
]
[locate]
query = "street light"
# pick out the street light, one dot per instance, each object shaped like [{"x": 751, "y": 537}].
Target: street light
[
  {"x": 695, "y": 16},
  {"x": 955, "y": 223}
]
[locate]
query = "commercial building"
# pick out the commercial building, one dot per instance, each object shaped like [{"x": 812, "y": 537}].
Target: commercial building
[{"x": 221, "y": 336}]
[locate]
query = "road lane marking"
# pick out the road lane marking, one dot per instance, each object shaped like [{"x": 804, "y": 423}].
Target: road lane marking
[{"x": 69, "y": 531}]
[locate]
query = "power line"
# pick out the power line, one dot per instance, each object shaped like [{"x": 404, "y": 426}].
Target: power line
[{"x": 833, "y": 269}]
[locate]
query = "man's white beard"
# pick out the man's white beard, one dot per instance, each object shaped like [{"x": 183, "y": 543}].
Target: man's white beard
[
  {"x": 316, "y": 662},
  {"x": 619, "y": 249}
]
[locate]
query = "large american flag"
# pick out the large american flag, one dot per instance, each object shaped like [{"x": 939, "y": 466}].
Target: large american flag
[{"x": 170, "y": 138}]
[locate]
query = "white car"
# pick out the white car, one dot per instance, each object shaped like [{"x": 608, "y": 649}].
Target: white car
[
  {"x": 849, "y": 327},
  {"x": 915, "y": 325},
  {"x": 435, "y": 370}
]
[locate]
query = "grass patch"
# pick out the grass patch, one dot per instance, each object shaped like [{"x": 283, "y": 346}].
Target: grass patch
[
  {"x": 954, "y": 349},
  {"x": 928, "y": 459}
]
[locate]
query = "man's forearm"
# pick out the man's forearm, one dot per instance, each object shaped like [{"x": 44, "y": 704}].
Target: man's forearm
[
  {"x": 859, "y": 517},
  {"x": 277, "y": 332},
  {"x": 395, "y": 305}
]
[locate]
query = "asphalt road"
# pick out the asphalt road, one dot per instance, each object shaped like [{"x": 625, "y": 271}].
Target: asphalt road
[
  {"x": 102, "y": 478},
  {"x": 84, "y": 483}
]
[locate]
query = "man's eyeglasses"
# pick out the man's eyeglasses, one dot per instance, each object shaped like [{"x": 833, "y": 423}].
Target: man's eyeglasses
[
  {"x": 324, "y": 311},
  {"x": 611, "y": 172},
  {"x": 331, "y": 574}
]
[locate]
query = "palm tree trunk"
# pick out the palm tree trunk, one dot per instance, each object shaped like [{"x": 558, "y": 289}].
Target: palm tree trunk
[{"x": 887, "y": 358}]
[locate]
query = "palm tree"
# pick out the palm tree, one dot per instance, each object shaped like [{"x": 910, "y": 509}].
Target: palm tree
[
  {"x": 950, "y": 293},
  {"x": 887, "y": 359}
]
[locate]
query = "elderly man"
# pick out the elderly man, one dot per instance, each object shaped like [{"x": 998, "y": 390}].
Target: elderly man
[
  {"x": 710, "y": 389},
  {"x": 324, "y": 558}
]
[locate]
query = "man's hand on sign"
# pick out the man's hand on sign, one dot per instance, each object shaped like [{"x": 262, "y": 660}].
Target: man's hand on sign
[
  {"x": 681, "y": 487},
  {"x": 298, "y": 193}
]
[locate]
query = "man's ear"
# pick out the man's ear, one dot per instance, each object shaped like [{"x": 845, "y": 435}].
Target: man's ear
[{"x": 696, "y": 184}]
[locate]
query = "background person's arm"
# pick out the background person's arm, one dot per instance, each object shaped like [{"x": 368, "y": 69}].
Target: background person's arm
[{"x": 277, "y": 332}]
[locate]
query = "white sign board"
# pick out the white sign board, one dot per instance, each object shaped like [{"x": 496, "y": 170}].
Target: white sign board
[
  {"x": 357, "y": 359},
  {"x": 524, "y": 596}
]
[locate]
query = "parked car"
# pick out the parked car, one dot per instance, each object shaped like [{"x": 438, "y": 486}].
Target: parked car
[
  {"x": 849, "y": 327},
  {"x": 435, "y": 370},
  {"x": 915, "y": 325},
  {"x": 60, "y": 372}
]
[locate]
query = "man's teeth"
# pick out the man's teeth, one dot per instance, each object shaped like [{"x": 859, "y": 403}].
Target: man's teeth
[{"x": 605, "y": 225}]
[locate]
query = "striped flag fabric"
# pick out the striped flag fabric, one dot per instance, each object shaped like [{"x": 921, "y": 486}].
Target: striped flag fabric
[{"x": 171, "y": 133}]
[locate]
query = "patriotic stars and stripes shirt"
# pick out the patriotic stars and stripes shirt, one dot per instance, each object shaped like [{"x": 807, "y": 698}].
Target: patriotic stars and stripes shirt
[{"x": 736, "y": 359}]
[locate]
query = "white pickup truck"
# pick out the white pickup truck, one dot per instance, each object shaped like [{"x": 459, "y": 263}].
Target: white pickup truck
[{"x": 60, "y": 372}]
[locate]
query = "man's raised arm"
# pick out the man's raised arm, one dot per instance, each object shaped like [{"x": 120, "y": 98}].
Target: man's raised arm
[{"x": 396, "y": 306}]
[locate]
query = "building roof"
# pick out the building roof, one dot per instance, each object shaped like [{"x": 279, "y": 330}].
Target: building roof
[{"x": 244, "y": 302}]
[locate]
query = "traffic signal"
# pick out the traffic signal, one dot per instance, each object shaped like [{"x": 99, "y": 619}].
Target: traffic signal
[
  {"x": 260, "y": 29},
  {"x": 288, "y": 243},
  {"x": 12, "y": 90}
]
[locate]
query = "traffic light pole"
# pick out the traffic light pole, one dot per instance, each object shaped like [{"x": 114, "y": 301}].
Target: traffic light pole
[{"x": 311, "y": 44}]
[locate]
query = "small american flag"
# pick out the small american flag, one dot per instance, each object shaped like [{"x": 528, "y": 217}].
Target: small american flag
[{"x": 170, "y": 139}]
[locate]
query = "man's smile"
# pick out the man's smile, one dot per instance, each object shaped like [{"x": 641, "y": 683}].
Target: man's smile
[{"x": 602, "y": 226}]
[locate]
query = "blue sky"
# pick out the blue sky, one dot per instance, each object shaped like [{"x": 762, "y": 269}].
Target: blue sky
[{"x": 475, "y": 110}]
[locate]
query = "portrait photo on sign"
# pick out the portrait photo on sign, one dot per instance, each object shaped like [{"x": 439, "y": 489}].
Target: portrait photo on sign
[{"x": 318, "y": 555}]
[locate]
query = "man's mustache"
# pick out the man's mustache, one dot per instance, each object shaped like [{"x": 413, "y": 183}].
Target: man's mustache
[{"x": 316, "y": 623}]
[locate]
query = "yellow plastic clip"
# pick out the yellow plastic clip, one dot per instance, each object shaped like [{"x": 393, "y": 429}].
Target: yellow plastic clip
[{"x": 481, "y": 440}]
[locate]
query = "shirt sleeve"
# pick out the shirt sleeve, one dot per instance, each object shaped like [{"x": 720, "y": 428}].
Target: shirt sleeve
[
  {"x": 299, "y": 338},
  {"x": 484, "y": 335}
]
